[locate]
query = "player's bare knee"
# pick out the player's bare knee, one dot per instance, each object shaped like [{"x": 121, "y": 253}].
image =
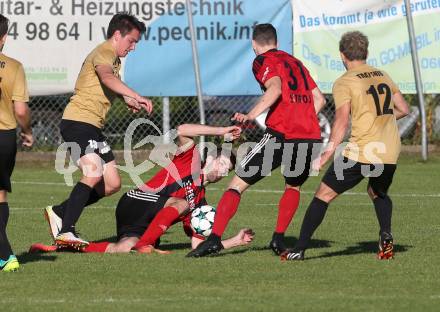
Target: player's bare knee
[
  {"x": 325, "y": 193},
  {"x": 297, "y": 188},
  {"x": 181, "y": 205},
  {"x": 238, "y": 185},
  {"x": 125, "y": 248},
  {"x": 3, "y": 196},
  {"x": 371, "y": 193},
  {"x": 112, "y": 188},
  {"x": 125, "y": 244}
]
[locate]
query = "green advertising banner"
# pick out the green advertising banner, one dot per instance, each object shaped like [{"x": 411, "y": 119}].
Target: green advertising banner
[{"x": 319, "y": 24}]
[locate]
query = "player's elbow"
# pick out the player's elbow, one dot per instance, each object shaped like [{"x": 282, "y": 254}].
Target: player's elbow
[
  {"x": 405, "y": 110},
  {"x": 320, "y": 102},
  {"x": 340, "y": 125},
  {"x": 276, "y": 91},
  {"x": 21, "y": 110},
  {"x": 107, "y": 80}
]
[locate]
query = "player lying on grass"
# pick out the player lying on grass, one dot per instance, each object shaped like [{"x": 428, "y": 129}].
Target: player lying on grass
[
  {"x": 171, "y": 194},
  {"x": 374, "y": 102},
  {"x": 126, "y": 241},
  {"x": 291, "y": 137}
]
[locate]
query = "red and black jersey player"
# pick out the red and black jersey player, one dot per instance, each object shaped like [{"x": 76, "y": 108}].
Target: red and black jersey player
[
  {"x": 144, "y": 214},
  {"x": 175, "y": 190},
  {"x": 292, "y": 136}
]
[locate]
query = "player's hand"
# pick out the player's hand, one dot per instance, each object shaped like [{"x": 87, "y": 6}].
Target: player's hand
[
  {"x": 231, "y": 133},
  {"x": 316, "y": 164},
  {"x": 240, "y": 118},
  {"x": 246, "y": 236},
  {"x": 132, "y": 104},
  {"x": 27, "y": 139},
  {"x": 320, "y": 162},
  {"x": 145, "y": 103}
]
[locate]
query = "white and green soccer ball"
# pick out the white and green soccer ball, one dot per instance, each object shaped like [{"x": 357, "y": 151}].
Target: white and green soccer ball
[{"x": 202, "y": 220}]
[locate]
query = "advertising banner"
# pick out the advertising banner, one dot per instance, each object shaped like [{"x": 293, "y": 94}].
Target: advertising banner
[
  {"x": 52, "y": 37},
  {"x": 163, "y": 65},
  {"x": 319, "y": 24}
]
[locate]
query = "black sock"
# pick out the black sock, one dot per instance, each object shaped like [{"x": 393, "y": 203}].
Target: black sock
[
  {"x": 5, "y": 247},
  {"x": 75, "y": 206},
  {"x": 215, "y": 238},
  {"x": 384, "y": 210},
  {"x": 94, "y": 197},
  {"x": 61, "y": 208},
  {"x": 312, "y": 219},
  {"x": 278, "y": 236}
]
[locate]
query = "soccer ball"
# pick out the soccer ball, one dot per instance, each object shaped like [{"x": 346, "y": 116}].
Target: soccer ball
[{"x": 202, "y": 219}]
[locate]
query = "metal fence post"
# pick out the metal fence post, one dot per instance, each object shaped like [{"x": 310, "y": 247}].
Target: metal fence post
[
  {"x": 417, "y": 77},
  {"x": 166, "y": 119},
  {"x": 195, "y": 57}
]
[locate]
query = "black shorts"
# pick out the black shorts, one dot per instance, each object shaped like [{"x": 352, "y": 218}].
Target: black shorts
[
  {"x": 135, "y": 211},
  {"x": 344, "y": 174},
  {"x": 273, "y": 151},
  {"x": 88, "y": 138},
  {"x": 8, "y": 151}
]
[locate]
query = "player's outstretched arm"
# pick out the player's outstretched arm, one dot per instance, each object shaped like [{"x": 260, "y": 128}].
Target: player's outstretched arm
[
  {"x": 243, "y": 237},
  {"x": 23, "y": 117},
  {"x": 318, "y": 99},
  {"x": 105, "y": 74},
  {"x": 401, "y": 108},
  {"x": 273, "y": 92},
  {"x": 187, "y": 132}
]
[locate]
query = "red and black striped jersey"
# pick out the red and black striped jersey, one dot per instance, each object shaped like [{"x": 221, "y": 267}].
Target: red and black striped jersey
[
  {"x": 293, "y": 114},
  {"x": 182, "y": 178}
]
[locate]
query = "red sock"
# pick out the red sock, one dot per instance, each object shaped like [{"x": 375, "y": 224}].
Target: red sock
[
  {"x": 226, "y": 209},
  {"x": 96, "y": 247},
  {"x": 158, "y": 226},
  {"x": 287, "y": 208}
]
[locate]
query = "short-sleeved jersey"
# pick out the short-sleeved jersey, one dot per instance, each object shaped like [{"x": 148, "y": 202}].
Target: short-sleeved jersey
[
  {"x": 13, "y": 87},
  {"x": 294, "y": 113},
  {"x": 182, "y": 178},
  {"x": 92, "y": 100},
  {"x": 369, "y": 91}
]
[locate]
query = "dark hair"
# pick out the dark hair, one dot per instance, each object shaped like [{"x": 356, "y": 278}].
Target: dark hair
[
  {"x": 354, "y": 46},
  {"x": 219, "y": 151},
  {"x": 265, "y": 34},
  {"x": 4, "y": 23},
  {"x": 124, "y": 22}
]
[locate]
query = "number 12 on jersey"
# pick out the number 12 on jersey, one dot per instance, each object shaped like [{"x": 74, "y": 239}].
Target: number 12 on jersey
[{"x": 382, "y": 88}]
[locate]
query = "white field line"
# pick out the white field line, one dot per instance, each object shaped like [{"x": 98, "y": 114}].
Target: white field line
[
  {"x": 40, "y": 209},
  {"x": 249, "y": 190},
  {"x": 112, "y": 300},
  {"x": 339, "y": 204}
]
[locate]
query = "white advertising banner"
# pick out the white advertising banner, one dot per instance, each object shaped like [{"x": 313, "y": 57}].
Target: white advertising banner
[{"x": 319, "y": 24}]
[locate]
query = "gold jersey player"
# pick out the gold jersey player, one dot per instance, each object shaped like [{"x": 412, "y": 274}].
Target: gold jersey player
[
  {"x": 375, "y": 103},
  {"x": 13, "y": 109},
  {"x": 97, "y": 85}
]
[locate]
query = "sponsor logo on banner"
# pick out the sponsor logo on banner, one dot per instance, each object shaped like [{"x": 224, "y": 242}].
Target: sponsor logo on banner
[{"x": 318, "y": 26}]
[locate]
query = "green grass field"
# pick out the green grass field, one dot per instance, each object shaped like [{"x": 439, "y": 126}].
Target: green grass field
[{"x": 340, "y": 272}]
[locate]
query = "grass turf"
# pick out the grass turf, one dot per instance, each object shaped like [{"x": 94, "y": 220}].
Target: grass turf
[{"x": 340, "y": 271}]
